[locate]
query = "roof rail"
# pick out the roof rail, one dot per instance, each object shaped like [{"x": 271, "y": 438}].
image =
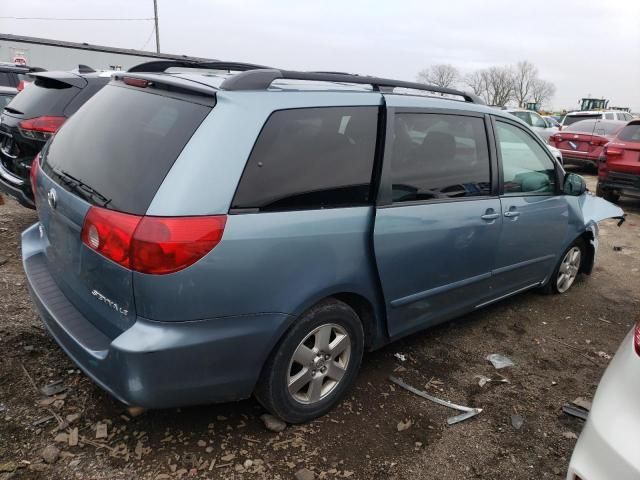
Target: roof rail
[
  {"x": 261, "y": 79},
  {"x": 157, "y": 66}
]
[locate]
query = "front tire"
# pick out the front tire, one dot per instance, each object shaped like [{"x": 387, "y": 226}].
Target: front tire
[
  {"x": 314, "y": 364},
  {"x": 568, "y": 268}
]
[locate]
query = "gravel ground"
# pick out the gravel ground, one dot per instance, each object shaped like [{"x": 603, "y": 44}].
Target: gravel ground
[{"x": 560, "y": 346}]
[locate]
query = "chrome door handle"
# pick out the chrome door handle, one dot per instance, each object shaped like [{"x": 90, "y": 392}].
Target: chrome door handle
[
  {"x": 511, "y": 213},
  {"x": 490, "y": 216}
]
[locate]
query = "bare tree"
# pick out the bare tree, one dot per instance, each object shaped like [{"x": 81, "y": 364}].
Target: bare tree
[
  {"x": 442, "y": 75},
  {"x": 542, "y": 91},
  {"x": 525, "y": 74},
  {"x": 494, "y": 84},
  {"x": 476, "y": 82}
]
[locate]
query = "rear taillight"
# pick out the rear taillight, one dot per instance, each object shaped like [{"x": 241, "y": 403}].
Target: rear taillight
[
  {"x": 40, "y": 128},
  {"x": 613, "y": 152},
  {"x": 20, "y": 86},
  {"x": 33, "y": 175},
  {"x": 555, "y": 138},
  {"x": 153, "y": 245},
  {"x": 599, "y": 142},
  {"x": 636, "y": 337}
]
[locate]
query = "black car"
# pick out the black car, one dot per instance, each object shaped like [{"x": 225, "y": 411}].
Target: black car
[
  {"x": 33, "y": 116},
  {"x": 6, "y": 95}
]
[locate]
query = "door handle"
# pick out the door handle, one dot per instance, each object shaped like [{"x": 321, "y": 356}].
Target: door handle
[
  {"x": 512, "y": 213},
  {"x": 490, "y": 216}
]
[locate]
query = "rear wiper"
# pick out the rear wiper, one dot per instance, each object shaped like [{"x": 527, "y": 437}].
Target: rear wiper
[
  {"x": 13, "y": 110},
  {"x": 83, "y": 189}
]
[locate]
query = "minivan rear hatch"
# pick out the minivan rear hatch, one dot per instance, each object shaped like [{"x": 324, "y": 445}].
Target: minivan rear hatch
[{"x": 112, "y": 154}]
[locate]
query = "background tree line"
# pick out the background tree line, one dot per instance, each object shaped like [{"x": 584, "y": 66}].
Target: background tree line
[{"x": 498, "y": 85}]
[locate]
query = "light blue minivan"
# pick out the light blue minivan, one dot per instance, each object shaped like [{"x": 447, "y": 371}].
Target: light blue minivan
[{"x": 204, "y": 235}]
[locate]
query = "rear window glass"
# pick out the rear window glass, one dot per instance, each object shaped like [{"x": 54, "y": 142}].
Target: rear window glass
[
  {"x": 583, "y": 126},
  {"x": 630, "y": 133},
  {"x": 44, "y": 97},
  {"x": 118, "y": 147},
  {"x": 570, "y": 119},
  {"x": 311, "y": 158},
  {"x": 4, "y": 100},
  {"x": 439, "y": 157}
]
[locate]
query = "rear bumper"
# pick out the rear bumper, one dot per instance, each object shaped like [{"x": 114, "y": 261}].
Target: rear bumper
[
  {"x": 574, "y": 158},
  {"x": 607, "y": 447},
  {"x": 156, "y": 364},
  {"x": 625, "y": 182},
  {"x": 19, "y": 193}
]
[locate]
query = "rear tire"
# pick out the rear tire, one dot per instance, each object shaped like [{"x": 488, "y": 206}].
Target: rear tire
[
  {"x": 314, "y": 364},
  {"x": 568, "y": 268},
  {"x": 607, "y": 194}
]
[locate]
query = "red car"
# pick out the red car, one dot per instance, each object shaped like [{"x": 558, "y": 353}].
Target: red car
[
  {"x": 581, "y": 143},
  {"x": 619, "y": 166}
]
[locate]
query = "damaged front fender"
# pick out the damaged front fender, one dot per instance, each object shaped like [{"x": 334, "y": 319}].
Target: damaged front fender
[{"x": 595, "y": 209}]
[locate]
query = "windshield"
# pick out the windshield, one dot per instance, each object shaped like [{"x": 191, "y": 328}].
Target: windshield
[
  {"x": 571, "y": 119},
  {"x": 117, "y": 148}
]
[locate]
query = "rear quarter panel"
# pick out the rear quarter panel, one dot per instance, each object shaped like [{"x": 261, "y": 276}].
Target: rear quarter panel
[{"x": 277, "y": 262}]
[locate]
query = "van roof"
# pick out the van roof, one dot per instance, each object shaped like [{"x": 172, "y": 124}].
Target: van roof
[{"x": 218, "y": 75}]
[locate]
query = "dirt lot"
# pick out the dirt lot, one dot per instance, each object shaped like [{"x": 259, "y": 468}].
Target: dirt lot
[{"x": 560, "y": 346}]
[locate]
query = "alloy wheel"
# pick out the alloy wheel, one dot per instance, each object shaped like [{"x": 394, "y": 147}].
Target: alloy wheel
[
  {"x": 569, "y": 268},
  {"x": 319, "y": 363}
]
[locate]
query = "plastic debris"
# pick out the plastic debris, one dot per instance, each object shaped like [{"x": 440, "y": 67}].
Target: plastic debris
[
  {"x": 500, "y": 361},
  {"x": 517, "y": 421},
  {"x": 404, "y": 425},
  {"x": 401, "y": 356},
  {"x": 53, "y": 388},
  {"x": 468, "y": 411},
  {"x": 582, "y": 403}
]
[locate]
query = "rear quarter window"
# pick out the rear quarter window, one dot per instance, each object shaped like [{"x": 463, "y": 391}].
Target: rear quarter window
[
  {"x": 311, "y": 158},
  {"x": 117, "y": 148}
]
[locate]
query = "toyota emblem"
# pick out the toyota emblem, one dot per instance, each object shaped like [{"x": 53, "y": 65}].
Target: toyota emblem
[{"x": 52, "y": 198}]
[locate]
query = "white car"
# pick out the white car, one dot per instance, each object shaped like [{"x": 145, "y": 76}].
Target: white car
[
  {"x": 608, "y": 445},
  {"x": 573, "y": 117}
]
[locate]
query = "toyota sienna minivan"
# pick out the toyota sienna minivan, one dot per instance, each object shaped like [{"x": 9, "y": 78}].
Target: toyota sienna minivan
[{"x": 204, "y": 236}]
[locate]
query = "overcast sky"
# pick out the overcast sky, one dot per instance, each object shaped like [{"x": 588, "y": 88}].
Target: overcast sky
[{"x": 582, "y": 46}]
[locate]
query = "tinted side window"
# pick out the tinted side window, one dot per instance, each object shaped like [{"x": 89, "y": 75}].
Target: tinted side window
[
  {"x": 311, "y": 158},
  {"x": 526, "y": 167},
  {"x": 439, "y": 156}
]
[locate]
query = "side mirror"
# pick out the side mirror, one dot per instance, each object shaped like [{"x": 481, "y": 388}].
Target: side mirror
[{"x": 574, "y": 185}]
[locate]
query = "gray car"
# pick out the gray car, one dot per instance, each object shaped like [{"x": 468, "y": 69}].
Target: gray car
[{"x": 206, "y": 236}]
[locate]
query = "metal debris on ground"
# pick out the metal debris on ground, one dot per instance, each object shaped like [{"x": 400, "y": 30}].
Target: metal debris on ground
[
  {"x": 400, "y": 356},
  {"x": 483, "y": 380},
  {"x": 517, "y": 421},
  {"x": 582, "y": 403},
  {"x": 579, "y": 408},
  {"x": 500, "y": 361},
  {"x": 468, "y": 411},
  {"x": 42, "y": 420},
  {"x": 53, "y": 388}
]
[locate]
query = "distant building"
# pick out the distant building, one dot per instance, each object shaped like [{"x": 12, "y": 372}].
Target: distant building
[{"x": 59, "y": 55}]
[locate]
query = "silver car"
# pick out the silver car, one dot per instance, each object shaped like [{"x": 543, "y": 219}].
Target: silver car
[
  {"x": 608, "y": 445},
  {"x": 535, "y": 122}
]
